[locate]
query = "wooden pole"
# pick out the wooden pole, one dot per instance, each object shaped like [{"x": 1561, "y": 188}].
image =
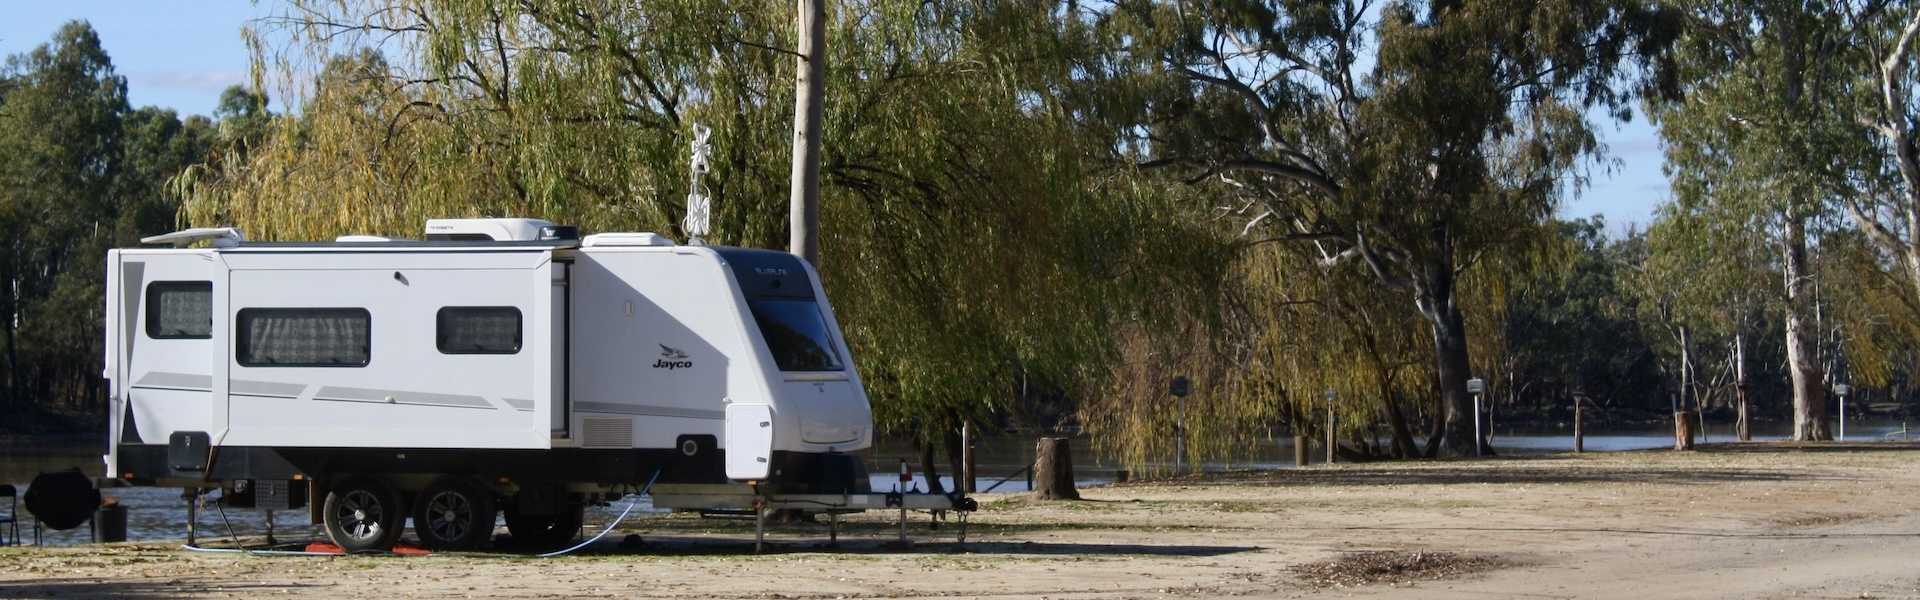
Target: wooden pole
[
  {"x": 1299, "y": 449},
  {"x": 1579, "y": 430},
  {"x": 1053, "y": 470}
]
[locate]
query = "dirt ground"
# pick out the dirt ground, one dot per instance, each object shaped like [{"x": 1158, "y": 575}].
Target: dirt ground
[{"x": 1759, "y": 521}]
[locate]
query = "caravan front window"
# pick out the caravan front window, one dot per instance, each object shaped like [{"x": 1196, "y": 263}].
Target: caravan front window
[{"x": 796, "y": 334}]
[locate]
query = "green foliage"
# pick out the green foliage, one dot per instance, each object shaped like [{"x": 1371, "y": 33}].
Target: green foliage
[
  {"x": 82, "y": 173},
  {"x": 974, "y": 261},
  {"x": 1445, "y": 156}
]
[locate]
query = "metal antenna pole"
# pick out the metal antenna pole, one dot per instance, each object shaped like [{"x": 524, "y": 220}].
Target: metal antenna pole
[{"x": 699, "y": 208}]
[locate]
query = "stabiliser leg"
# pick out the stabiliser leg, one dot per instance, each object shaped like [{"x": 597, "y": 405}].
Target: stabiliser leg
[{"x": 759, "y": 525}]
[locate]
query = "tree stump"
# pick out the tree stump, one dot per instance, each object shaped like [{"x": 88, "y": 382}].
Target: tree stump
[
  {"x": 1683, "y": 430},
  {"x": 1053, "y": 470}
]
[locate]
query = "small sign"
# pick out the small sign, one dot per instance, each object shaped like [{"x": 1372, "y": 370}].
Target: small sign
[
  {"x": 1179, "y": 387},
  {"x": 1476, "y": 385},
  {"x": 1842, "y": 389},
  {"x": 1331, "y": 395}
]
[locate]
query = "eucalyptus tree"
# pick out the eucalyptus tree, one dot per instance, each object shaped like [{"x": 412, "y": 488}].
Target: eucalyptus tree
[
  {"x": 1699, "y": 277},
  {"x": 1409, "y": 140},
  {"x": 1760, "y": 143},
  {"x": 1884, "y": 195}
]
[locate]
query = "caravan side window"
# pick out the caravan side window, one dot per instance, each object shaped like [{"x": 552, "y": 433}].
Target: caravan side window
[
  {"x": 478, "y": 330},
  {"x": 180, "y": 310},
  {"x": 304, "y": 337}
]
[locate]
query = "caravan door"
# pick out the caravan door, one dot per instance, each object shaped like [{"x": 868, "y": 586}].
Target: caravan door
[{"x": 169, "y": 370}]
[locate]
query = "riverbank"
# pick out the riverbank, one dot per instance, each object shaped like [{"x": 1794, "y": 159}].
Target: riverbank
[{"x": 1762, "y": 520}]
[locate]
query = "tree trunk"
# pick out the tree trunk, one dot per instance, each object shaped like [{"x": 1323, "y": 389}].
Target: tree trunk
[
  {"x": 1053, "y": 470},
  {"x": 1742, "y": 425},
  {"x": 1451, "y": 364},
  {"x": 1403, "y": 447},
  {"x": 1436, "y": 423},
  {"x": 12, "y": 293},
  {"x": 1682, "y": 430},
  {"x": 1809, "y": 395},
  {"x": 956, "y": 459},
  {"x": 809, "y": 99},
  {"x": 931, "y": 470}
]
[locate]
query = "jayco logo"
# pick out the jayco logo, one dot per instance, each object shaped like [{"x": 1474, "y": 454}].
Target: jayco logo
[{"x": 672, "y": 358}]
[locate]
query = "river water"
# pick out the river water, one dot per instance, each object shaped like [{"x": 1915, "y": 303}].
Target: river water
[{"x": 160, "y": 513}]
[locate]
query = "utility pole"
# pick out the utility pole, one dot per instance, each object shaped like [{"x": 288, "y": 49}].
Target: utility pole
[{"x": 809, "y": 86}]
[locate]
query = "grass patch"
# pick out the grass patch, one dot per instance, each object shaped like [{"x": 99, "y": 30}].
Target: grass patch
[{"x": 1393, "y": 566}]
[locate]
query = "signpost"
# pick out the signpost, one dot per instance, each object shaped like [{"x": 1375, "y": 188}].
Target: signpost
[
  {"x": 1179, "y": 388},
  {"x": 1330, "y": 439},
  {"x": 1842, "y": 390},
  {"x": 1477, "y": 386}
]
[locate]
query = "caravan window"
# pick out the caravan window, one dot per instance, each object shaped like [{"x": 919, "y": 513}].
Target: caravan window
[
  {"x": 304, "y": 337},
  {"x": 180, "y": 310},
  {"x": 478, "y": 330},
  {"x": 796, "y": 334}
]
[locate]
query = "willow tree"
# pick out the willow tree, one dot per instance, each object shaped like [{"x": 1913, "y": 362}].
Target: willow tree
[
  {"x": 1408, "y": 145},
  {"x": 964, "y": 267},
  {"x": 1277, "y": 334}
]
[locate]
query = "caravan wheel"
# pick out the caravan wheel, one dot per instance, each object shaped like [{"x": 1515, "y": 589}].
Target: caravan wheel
[
  {"x": 363, "y": 513},
  {"x": 454, "y": 514}
]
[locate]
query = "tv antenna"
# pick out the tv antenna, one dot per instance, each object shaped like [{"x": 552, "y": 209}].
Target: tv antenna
[{"x": 699, "y": 207}]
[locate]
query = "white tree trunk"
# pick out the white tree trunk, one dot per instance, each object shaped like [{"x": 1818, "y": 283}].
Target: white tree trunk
[
  {"x": 809, "y": 86},
  {"x": 1809, "y": 391}
]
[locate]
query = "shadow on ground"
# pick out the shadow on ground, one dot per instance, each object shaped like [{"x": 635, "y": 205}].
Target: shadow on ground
[
  {"x": 672, "y": 546},
  {"x": 1516, "y": 470},
  {"x": 137, "y": 589}
]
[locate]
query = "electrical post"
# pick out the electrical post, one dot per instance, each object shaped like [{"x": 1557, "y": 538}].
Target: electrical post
[
  {"x": 1179, "y": 388},
  {"x": 1477, "y": 386},
  {"x": 1842, "y": 390}
]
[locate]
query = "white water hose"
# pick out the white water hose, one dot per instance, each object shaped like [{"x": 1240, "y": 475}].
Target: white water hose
[{"x": 610, "y": 526}]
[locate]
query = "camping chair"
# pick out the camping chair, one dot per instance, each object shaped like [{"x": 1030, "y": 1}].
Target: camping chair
[{"x": 12, "y": 520}]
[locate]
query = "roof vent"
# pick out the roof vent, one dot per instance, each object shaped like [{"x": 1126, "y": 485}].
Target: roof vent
[
  {"x": 481, "y": 230},
  {"x": 606, "y": 240}
]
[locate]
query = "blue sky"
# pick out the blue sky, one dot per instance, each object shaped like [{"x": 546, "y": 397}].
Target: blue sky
[{"x": 180, "y": 54}]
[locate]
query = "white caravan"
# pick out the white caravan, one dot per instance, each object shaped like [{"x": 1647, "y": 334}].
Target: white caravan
[{"x": 500, "y": 364}]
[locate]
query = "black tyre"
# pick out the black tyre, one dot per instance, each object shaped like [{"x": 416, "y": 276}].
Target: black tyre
[
  {"x": 454, "y": 513},
  {"x": 362, "y": 514},
  {"x": 545, "y": 532}
]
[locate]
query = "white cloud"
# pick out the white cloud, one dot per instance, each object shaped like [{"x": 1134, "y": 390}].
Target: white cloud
[{"x": 201, "y": 81}]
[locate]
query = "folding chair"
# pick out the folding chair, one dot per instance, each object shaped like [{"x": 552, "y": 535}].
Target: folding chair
[{"x": 12, "y": 520}]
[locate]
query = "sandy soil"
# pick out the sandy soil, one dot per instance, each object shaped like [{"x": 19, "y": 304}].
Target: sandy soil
[{"x": 1763, "y": 521}]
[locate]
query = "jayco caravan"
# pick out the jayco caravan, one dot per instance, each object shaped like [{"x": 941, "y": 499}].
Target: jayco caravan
[{"x": 499, "y": 365}]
